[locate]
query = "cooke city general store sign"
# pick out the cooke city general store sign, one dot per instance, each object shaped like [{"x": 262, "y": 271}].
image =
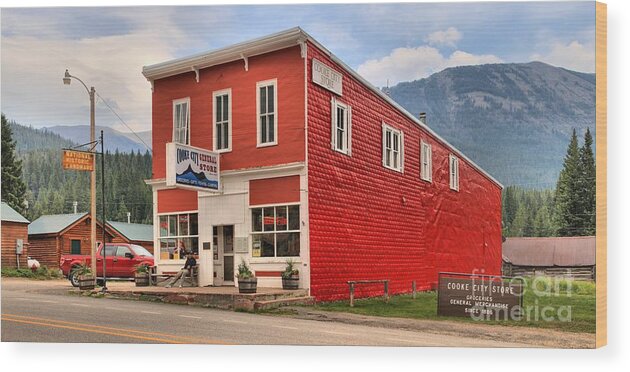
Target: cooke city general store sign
[{"x": 191, "y": 167}]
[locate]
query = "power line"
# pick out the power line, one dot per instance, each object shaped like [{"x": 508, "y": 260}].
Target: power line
[{"x": 122, "y": 121}]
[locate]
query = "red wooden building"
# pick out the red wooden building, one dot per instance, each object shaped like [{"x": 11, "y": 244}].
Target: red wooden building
[
  {"x": 14, "y": 238},
  {"x": 316, "y": 165}
]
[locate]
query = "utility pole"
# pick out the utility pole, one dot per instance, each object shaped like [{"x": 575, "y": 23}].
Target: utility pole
[
  {"x": 93, "y": 185},
  {"x": 91, "y": 92},
  {"x": 104, "y": 222}
]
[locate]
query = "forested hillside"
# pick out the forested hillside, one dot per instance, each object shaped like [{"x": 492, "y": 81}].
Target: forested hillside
[{"x": 51, "y": 189}]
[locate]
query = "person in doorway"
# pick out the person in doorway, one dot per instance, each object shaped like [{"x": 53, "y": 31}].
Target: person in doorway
[{"x": 190, "y": 263}]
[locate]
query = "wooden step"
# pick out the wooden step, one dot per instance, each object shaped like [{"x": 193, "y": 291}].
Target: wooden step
[{"x": 279, "y": 302}]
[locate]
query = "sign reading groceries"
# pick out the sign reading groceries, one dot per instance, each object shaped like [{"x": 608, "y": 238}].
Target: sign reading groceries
[
  {"x": 327, "y": 77},
  {"x": 191, "y": 167}
]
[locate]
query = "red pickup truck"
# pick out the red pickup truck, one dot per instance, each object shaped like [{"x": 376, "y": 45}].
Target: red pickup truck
[{"x": 121, "y": 261}]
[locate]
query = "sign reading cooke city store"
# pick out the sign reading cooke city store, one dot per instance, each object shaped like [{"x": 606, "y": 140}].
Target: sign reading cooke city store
[{"x": 192, "y": 167}]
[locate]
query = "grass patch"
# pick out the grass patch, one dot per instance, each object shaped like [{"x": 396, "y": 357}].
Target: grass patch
[
  {"x": 42, "y": 273},
  {"x": 578, "y": 296}
]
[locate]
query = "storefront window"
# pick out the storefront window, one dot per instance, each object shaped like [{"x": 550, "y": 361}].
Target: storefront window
[
  {"x": 276, "y": 231},
  {"x": 178, "y": 233}
]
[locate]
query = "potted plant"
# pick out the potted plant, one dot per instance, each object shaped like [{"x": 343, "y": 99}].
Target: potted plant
[
  {"x": 84, "y": 276},
  {"x": 247, "y": 282},
  {"x": 142, "y": 275},
  {"x": 290, "y": 276}
]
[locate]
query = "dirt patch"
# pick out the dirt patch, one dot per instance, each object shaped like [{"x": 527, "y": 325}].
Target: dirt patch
[{"x": 535, "y": 337}]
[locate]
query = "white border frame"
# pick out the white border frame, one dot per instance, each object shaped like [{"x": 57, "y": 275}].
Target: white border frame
[
  {"x": 175, "y": 103},
  {"x": 259, "y": 85},
  {"x": 215, "y": 94}
]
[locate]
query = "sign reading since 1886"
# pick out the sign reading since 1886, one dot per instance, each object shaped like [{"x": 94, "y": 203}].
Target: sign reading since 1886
[
  {"x": 191, "y": 167},
  {"x": 327, "y": 77},
  {"x": 78, "y": 160},
  {"x": 480, "y": 297}
]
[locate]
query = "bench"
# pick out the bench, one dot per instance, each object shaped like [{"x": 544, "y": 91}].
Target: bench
[
  {"x": 352, "y": 283},
  {"x": 156, "y": 278}
]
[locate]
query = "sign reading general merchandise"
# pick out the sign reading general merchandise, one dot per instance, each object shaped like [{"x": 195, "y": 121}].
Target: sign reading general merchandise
[
  {"x": 480, "y": 297},
  {"x": 327, "y": 77},
  {"x": 78, "y": 160},
  {"x": 191, "y": 167}
]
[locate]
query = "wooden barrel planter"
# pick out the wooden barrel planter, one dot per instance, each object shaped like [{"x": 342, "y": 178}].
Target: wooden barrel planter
[
  {"x": 247, "y": 285},
  {"x": 292, "y": 282},
  {"x": 142, "y": 280},
  {"x": 86, "y": 282}
]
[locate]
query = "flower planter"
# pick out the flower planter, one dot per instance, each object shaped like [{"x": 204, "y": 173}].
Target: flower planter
[
  {"x": 292, "y": 282},
  {"x": 86, "y": 282},
  {"x": 247, "y": 285},
  {"x": 142, "y": 280}
]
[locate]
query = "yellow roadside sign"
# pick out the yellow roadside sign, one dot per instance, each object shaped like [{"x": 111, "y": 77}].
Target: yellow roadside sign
[{"x": 78, "y": 160}]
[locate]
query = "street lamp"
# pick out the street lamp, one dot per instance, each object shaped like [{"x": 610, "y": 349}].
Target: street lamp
[{"x": 91, "y": 92}]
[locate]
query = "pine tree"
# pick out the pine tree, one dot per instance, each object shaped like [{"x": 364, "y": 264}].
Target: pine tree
[
  {"x": 586, "y": 184},
  {"x": 13, "y": 187},
  {"x": 567, "y": 199}
]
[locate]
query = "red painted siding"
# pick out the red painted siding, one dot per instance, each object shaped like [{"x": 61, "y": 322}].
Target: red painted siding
[
  {"x": 176, "y": 200},
  {"x": 274, "y": 190},
  {"x": 369, "y": 222},
  {"x": 285, "y": 65}
]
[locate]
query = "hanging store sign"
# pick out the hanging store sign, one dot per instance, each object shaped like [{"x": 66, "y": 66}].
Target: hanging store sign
[
  {"x": 78, "y": 160},
  {"x": 191, "y": 167},
  {"x": 327, "y": 77}
]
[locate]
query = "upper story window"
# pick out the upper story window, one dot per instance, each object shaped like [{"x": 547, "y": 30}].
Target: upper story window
[
  {"x": 267, "y": 112},
  {"x": 341, "y": 134},
  {"x": 426, "y": 161},
  {"x": 181, "y": 121},
  {"x": 222, "y": 118},
  {"x": 454, "y": 172},
  {"x": 393, "y": 151}
]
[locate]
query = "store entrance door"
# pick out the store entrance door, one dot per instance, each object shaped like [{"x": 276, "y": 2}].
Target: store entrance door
[{"x": 223, "y": 239}]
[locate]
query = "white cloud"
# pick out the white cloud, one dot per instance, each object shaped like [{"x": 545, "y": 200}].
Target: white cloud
[
  {"x": 573, "y": 56},
  {"x": 406, "y": 64},
  {"x": 448, "y": 37},
  {"x": 33, "y": 67}
]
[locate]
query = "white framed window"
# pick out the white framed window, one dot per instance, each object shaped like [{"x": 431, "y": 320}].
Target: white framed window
[
  {"x": 181, "y": 121},
  {"x": 179, "y": 233},
  {"x": 393, "y": 148},
  {"x": 426, "y": 161},
  {"x": 276, "y": 231},
  {"x": 267, "y": 112},
  {"x": 454, "y": 172},
  {"x": 222, "y": 120},
  {"x": 341, "y": 127}
]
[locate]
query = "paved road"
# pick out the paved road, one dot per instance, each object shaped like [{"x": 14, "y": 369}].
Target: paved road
[{"x": 41, "y": 311}]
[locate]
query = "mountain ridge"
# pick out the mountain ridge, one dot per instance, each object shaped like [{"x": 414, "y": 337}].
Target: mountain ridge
[{"x": 512, "y": 119}]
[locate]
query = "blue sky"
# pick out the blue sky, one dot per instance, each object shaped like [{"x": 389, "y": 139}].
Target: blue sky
[{"x": 107, "y": 47}]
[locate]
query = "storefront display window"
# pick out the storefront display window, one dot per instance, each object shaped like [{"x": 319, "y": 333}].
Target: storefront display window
[
  {"x": 178, "y": 233},
  {"x": 276, "y": 231}
]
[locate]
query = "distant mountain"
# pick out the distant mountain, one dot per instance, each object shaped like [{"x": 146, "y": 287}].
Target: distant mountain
[
  {"x": 514, "y": 120},
  {"x": 29, "y": 138},
  {"x": 114, "y": 140}
]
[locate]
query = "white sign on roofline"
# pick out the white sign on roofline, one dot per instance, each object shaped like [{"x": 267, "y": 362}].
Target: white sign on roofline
[
  {"x": 327, "y": 77},
  {"x": 191, "y": 167}
]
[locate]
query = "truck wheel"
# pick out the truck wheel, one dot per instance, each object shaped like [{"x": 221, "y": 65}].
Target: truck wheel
[{"x": 73, "y": 277}]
